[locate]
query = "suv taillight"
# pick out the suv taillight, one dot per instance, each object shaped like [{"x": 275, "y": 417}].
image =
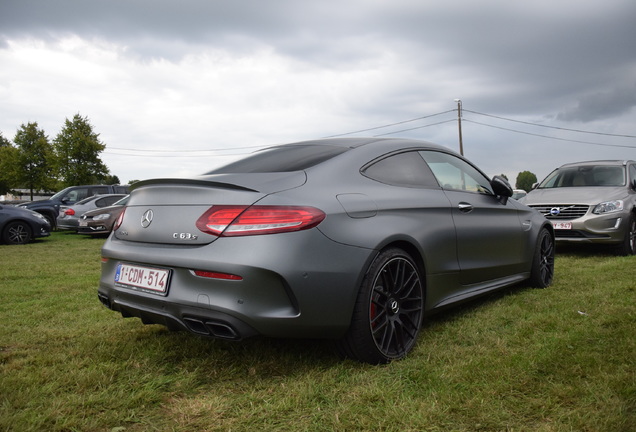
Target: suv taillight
[{"x": 231, "y": 221}]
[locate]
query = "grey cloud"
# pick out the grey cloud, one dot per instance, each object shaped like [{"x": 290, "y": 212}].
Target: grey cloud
[{"x": 602, "y": 105}]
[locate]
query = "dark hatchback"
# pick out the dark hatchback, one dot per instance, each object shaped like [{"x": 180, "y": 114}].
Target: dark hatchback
[{"x": 20, "y": 226}]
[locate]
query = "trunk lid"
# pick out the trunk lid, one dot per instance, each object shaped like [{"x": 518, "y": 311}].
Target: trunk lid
[{"x": 165, "y": 211}]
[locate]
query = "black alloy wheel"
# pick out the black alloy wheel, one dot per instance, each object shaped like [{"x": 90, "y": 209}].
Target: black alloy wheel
[
  {"x": 388, "y": 313},
  {"x": 542, "y": 272},
  {"x": 16, "y": 233}
]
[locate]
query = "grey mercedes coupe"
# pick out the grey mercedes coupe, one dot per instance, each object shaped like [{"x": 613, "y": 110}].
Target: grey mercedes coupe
[{"x": 355, "y": 239}]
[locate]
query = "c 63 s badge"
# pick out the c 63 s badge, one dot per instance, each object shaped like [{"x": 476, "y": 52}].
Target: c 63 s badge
[{"x": 184, "y": 236}]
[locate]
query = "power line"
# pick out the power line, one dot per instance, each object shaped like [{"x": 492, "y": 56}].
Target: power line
[
  {"x": 551, "y": 127},
  {"x": 389, "y": 125},
  {"x": 414, "y": 128},
  {"x": 550, "y": 137},
  {"x": 201, "y": 153},
  {"x": 185, "y": 151}
]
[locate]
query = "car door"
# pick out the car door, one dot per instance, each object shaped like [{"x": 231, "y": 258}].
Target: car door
[{"x": 490, "y": 238}]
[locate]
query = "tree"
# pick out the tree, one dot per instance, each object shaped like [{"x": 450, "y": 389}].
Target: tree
[
  {"x": 33, "y": 168},
  {"x": 7, "y": 165},
  {"x": 111, "y": 179},
  {"x": 525, "y": 180},
  {"x": 78, "y": 148}
]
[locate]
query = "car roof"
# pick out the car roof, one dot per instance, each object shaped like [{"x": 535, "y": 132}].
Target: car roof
[
  {"x": 359, "y": 142},
  {"x": 598, "y": 162}
]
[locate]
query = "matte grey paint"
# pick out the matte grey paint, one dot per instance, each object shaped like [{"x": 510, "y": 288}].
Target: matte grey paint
[{"x": 304, "y": 284}]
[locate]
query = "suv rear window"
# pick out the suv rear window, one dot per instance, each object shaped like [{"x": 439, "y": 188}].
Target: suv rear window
[{"x": 282, "y": 159}]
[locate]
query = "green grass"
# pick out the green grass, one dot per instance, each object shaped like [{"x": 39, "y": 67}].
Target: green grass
[{"x": 559, "y": 359}]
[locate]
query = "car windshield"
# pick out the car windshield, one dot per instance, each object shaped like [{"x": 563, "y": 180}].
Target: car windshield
[
  {"x": 584, "y": 176},
  {"x": 282, "y": 159},
  {"x": 60, "y": 193}
]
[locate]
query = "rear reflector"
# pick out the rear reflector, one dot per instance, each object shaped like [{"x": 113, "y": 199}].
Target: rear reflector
[
  {"x": 229, "y": 221},
  {"x": 217, "y": 275}
]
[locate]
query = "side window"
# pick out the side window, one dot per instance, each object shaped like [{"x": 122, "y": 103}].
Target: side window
[
  {"x": 403, "y": 169},
  {"x": 99, "y": 190},
  {"x": 632, "y": 173},
  {"x": 107, "y": 201},
  {"x": 77, "y": 195},
  {"x": 454, "y": 173},
  {"x": 102, "y": 202}
]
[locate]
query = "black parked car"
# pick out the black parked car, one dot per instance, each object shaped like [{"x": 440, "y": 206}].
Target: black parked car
[{"x": 20, "y": 226}]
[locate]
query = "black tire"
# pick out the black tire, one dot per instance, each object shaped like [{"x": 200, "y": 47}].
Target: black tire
[
  {"x": 628, "y": 246},
  {"x": 16, "y": 233},
  {"x": 51, "y": 220},
  {"x": 542, "y": 271},
  {"x": 388, "y": 312}
]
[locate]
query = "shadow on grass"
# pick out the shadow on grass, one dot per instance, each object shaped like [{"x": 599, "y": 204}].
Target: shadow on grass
[
  {"x": 270, "y": 356},
  {"x": 586, "y": 250}
]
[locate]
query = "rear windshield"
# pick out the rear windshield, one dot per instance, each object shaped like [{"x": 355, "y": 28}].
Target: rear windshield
[
  {"x": 282, "y": 159},
  {"x": 583, "y": 176}
]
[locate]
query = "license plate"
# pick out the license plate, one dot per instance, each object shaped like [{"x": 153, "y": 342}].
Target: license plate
[
  {"x": 83, "y": 223},
  {"x": 562, "y": 225},
  {"x": 147, "y": 279}
]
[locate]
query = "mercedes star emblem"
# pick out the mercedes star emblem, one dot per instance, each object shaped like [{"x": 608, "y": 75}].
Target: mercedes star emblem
[{"x": 146, "y": 219}]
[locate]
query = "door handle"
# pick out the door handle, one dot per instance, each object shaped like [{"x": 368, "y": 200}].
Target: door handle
[{"x": 465, "y": 207}]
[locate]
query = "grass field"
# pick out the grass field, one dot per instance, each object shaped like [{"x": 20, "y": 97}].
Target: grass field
[{"x": 559, "y": 359}]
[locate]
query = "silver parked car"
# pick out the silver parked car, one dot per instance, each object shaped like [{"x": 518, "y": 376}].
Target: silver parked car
[
  {"x": 69, "y": 216},
  {"x": 590, "y": 202},
  {"x": 352, "y": 239}
]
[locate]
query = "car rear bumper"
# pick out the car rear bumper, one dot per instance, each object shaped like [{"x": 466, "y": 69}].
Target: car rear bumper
[{"x": 285, "y": 291}]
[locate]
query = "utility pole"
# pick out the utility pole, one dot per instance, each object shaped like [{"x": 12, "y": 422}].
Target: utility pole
[{"x": 459, "y": 125}]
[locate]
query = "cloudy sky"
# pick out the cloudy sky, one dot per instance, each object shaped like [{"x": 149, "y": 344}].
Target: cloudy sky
[{"x": 175, "y": 88}]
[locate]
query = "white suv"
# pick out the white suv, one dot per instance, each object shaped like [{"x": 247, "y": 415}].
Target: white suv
[{"x": 590, "y": 202}]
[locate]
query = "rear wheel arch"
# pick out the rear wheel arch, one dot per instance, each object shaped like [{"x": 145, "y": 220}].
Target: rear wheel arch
[
  {"x": 389, "y": 307},
  {"x": 408, "y": 247}
]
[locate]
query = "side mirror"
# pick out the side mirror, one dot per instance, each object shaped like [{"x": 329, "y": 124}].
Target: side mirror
[{"x": 501, "y": 188}]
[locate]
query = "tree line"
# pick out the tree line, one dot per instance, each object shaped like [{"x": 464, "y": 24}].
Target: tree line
[{"x": 34, "y": 162}]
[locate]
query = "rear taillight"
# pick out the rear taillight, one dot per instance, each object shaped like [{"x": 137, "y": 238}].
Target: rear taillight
[
  {"x": 229, "y": 221},
  {"x": 119, "y": 220},
  {"x": 69, "y": 212}
]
